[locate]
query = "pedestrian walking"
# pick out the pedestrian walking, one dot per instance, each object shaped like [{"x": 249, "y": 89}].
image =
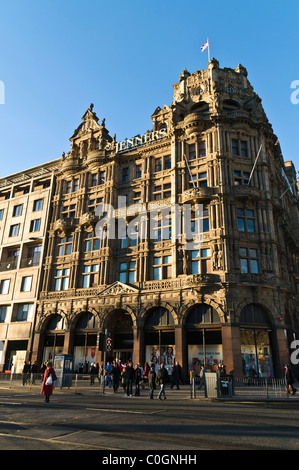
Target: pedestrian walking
[
  {"x": 152, "y": 380},
  {"x": 146, "y": 370},
  {"x": 161, "y": 379},
  {"x": 93, "y": 373},
  {"x": 129, "y": 379},
  {"x": 201, "y": 377},
  {"x": 176, "y": 375},
  {"x": 48, "y": 382},
  {"x": 137, "y": 379},
  {"x": 108, "y": 376},
  {"x": 115, "y": 375},
  {"x": 34, "y": 371},
  {"x": 25, "y": 373},
  {"x": 289, "y": 380}
]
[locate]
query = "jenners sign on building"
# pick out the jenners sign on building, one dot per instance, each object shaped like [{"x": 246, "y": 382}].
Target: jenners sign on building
[{"x": 140, "y": 140}]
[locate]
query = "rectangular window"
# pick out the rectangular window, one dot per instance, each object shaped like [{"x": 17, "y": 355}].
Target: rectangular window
[
  {"x": 162, "y": 191},
  {"x": 90, "y": 275},
  {"x": 245, "y": 219},
  {"x": 201, "y": 261},
  {"x": 94, "y": 180},
  {"x": 76, "y": 185},
  {"x": 241, "y": 178},
  {"x": 248, "y": 261},
  {"x": 3, "y": 312},
  {"x": 127, "y": 272},
  {"x": 94, "y": 204},
  {"x": 34, "y": 255},
  {"x": 92, "y": 242},
  {"x": 69, "y": 211},
  {"x": 244, "y": 148},
  {"x": 192, "y": 151},
  {"x": 195, "y": 262},
  {"x": 167, "y": 162},
  {"x": 35, "y": 225},
  {"x": 65, "y": 246},
  {"x": 158, "y": 164},
  {"x": 17, "y": 210},
  {"x": 162, "y": 267},
  {"x": 68, "y": 187},
  {"x": 37, "y": 205},
  {"x": 125, "y": 175},
  {"x": 24, "y": 312},
  {"x": 235, "y": 147},
  {"x": 14, "y": 230},
  {"x": 138, "y": 171},
  {"x": 102, "y": 177},
  {"x": 4, "y": 286},
  {"x": 240, "y": 148},
  {"x": 137, "y": 197},
  {"x": 26, "y": 284},
  {"x": 62, "y": 279},
  {"x": 1, "y": 214},
  {"x": 202, "y": 149}
]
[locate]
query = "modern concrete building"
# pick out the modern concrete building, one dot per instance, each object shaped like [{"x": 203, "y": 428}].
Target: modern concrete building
[
  {"x": 124, "y": 255},
  {"x": 25, "y": 200}
]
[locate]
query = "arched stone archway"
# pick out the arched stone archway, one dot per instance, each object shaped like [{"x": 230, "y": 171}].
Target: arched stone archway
[
  {"x": 51, "y": 329},
  {"x": 257, "y": 339},
  {"x": 120, "y": 324},
  {"x": 84, "y": 332},
  {"x": 159, "y": 335},
  {"x": 203, "y": 338}
]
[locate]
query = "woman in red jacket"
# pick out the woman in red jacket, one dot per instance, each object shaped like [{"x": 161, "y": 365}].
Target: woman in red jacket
[{"x": 48, "y": 382}]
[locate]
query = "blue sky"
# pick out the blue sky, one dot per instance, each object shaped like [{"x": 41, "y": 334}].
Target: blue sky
[{"x": 57, "y": 57}]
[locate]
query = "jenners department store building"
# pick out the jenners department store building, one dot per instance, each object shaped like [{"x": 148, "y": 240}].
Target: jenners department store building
[{"x": 232, "y": 297}]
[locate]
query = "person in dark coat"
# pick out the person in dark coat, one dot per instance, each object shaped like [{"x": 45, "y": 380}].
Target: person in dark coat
[
  {"x": 47, "y": 388},
  {"x": 93, "y": 373},
  {"x": 129, "y": 374},
  {"x": 115, "y": 375},
  {"x": 137, "y": 380},
  {"x": 161, "y": 379},
  {"x": 152, "y": 380},
  {"x": 289, "y": 380},
  {"x": 26, "y": 373},
  {"x": 176, "y": 376}
]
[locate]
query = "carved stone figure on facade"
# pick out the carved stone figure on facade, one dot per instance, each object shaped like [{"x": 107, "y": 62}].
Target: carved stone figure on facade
[
  {"x": 214, "y": 259},
  {"x": 220, "y": 260}
]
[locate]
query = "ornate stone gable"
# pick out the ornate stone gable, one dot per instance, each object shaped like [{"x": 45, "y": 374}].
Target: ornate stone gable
[{"x": 118, "y": 288}]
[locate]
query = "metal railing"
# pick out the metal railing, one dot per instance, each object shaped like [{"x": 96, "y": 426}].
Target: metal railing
[
  {"x": 213, "y": 386},
  {"x": 246, "y": 388}
]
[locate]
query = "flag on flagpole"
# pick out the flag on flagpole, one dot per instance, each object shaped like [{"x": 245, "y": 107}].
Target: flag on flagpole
[{"x": 206, "y": 44}]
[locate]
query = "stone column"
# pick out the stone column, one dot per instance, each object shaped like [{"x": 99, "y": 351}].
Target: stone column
[{"x": 231, "y": 346}]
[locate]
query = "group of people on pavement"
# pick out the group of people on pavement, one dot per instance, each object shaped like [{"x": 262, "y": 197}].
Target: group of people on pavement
[
  {"x": 30, "y": 373},
  {"x": 132, "y": 378}
]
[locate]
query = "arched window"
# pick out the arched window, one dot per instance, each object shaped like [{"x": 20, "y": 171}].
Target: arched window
[
  {"x": 87, "y": 322},
  {"x": 202, "y": 313},
  {"x": 56, "y": 323},
  {"x": 256, "y": 342},
  {"x": 252, "y": 314},
  {"x": 159, "y": 317},
  {"x": 202, "y": 107}
]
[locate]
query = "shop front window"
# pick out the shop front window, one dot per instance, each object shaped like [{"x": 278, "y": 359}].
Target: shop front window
[
  {"x": 160, "y": 338},
  {"x": 256, "y": 343}
]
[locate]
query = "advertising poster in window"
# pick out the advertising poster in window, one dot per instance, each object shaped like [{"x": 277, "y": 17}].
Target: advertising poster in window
[
  {"x": 213, "y": 353},
  {"x": 165, "y": 355}
]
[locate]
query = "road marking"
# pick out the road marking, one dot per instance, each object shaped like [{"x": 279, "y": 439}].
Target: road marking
[{"x": 125, "y": 411}]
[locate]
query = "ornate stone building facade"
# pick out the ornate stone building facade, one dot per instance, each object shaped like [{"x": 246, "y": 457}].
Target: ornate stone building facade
[{"x": 120, "y": 258}]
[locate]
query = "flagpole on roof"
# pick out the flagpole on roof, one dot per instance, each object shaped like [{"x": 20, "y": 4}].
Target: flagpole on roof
[{"x": 209, "y": 49}]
